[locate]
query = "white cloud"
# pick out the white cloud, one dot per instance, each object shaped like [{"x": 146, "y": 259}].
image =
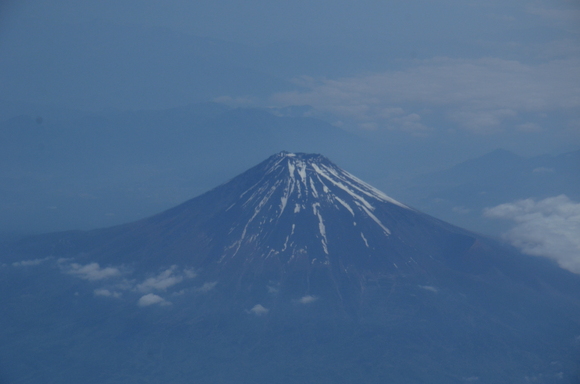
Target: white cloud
[
  {"x": 161, "y": 282},
  {"x": 29, "y": 263},
  {"x": 190, "y": 273},
  {"x": 125, "y": 284},
  {"x": 529, "y": 127},
  {"x": 106, "y": 293},
  {"x": 273, "y": 288},
  {"x": 150, "y": 299},
  {"x": 207, "y": 287},
  {"x": 259, "y": 310},
  {"x": 549, "y": 227},
  {"x": 461, "y": 210},
  {"x": 307, "y": 299},
  {"x": 429, "y": 288},
  {"x": 478, "y": 95},
  {"x": 543, "y": 170},
  {"x": 92, "y": 271},
  {"x": 567, "y": 16}
]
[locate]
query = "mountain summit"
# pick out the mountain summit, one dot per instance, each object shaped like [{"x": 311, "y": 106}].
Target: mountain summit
[
  {"x": 300, "y": 195},
  {"x": 294, "y": 271}
]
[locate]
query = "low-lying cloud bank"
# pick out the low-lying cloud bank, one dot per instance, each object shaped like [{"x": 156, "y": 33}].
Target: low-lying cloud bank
[
  {"x": 549, "y": 227},
  {"x": 116, "y": 280},
  {"x": 477, "y": 95}
]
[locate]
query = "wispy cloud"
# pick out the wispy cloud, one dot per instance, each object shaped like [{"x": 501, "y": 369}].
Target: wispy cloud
[
  {"x": 561, "y": 17},
  {"x": 429, "y": 288},
  {"x": 259, "y": 310},
  {"x": 478, "y": 95},
  {"x": 92, "y": 271},
  {"x": 161, "y": 282},
  {"x": 307, "y": 299},
  {"x": 273, "y": 288},
  {"x": 190, "y": 273},
  {"x": 116, "y": 282},
  {"x": 549, "y": 227},
  {"x": 29, "y": 263},
  {"x": 107, "y": 293},
  {"x": 206, "y": 287},
  {"x": 150, "y": 299}
]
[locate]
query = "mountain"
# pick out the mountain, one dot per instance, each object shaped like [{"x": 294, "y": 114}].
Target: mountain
[
  {"x": 460, "y": 193},
  {"x": 294, "y": 271}
]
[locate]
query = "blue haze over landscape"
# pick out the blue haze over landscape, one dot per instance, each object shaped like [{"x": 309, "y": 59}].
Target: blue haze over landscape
[{"x": 113, "y": 111}]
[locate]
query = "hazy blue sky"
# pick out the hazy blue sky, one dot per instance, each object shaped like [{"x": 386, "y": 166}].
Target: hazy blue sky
[
  {"x": 439, "y": 81},
  {"x": 332, "y": 22},
  {"x": 489, "y": 70}
]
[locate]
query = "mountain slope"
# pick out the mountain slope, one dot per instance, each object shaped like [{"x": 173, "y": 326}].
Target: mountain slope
[{"x": 294, "y": 271}]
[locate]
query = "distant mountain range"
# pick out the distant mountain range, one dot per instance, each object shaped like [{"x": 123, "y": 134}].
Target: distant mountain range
[
  {"x": 460, "y": 193},
  {"x": 295, "y": 271}
]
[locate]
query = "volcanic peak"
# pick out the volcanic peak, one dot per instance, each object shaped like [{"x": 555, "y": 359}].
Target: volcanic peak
[
  {"x": 297, "y": 197},
  {"x": 305, "y": 171}
]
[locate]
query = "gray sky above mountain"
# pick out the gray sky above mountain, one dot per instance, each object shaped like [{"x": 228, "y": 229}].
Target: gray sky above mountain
[
  {"x": 507, "y": 70},
  {"x": 324, "y": 21}
]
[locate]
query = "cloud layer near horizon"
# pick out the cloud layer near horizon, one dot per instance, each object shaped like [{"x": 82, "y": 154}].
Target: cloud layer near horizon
[
  {"x": 549, "y": 227},
  {"x": 478, "y": 95},
  {"x": 117, "y": 280}
]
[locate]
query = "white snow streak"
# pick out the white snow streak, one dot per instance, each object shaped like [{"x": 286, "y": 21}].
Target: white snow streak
[
  {"x": 302, "y": 171},
  {"x": 321, "y": 227},
  {"x": 364, "y": 239},
  {"x": 291, "y": 169},
  {"x": 313, "y": 188},
  {"x": 342, "y": 186},
  {"x": 284, "y": 199},
  {"x": 370, "y": 214},
  {"x": 363, "y": 187},
  {"x": 306, "y": 176},
  {"x": 344, "y": 204},
  {"x": 256, "y": 211}
]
